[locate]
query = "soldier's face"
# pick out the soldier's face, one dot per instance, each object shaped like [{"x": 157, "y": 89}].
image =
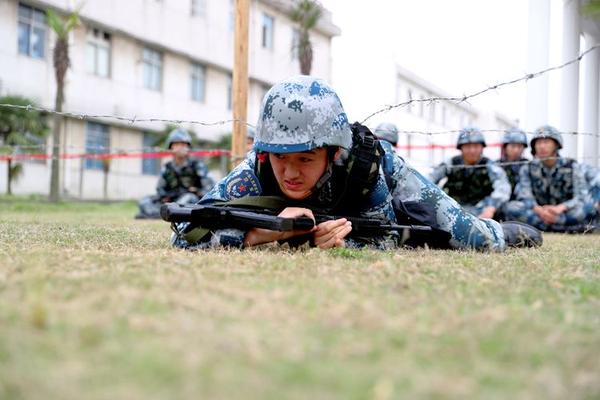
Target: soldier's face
[
  {"x": 298, "y": 173},
  {"x": 471, "y": 152},
  {"x": 513, "y": 151},
  {"x": 180, "y": 149},
  {"x": 545, "y": 148}
]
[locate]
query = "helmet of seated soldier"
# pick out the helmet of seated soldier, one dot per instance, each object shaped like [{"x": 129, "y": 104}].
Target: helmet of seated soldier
[
  {"x": 470, "y": 134},
  {"x": 388, "y": 132},
  {"x": 516, "y": 136},
  {"x": 548, "y": 132},
  {"x": 300, "y": 114},
  {"x": 250, "y": 132},
  {"x": 179, "y": 135}
]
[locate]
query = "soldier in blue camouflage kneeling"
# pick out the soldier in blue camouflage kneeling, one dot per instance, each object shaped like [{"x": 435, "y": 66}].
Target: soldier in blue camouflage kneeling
[
  {"x": 552, "y": 193},
  {"x": 474, "y": 181},
  {"x": 307, "y": 155}
]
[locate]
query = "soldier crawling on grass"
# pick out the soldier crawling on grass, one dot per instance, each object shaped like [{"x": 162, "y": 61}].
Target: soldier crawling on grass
[
  {"x": 183, "y": 180},
  {"x": 474, "y": 181},
  {"x": 308, "y": 156}
]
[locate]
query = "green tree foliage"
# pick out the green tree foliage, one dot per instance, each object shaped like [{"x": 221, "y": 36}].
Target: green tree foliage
[
  {"x": 592, "y": 8},
  {"x": 306, "y": 13},
  {"x": 22, "y": 128}
]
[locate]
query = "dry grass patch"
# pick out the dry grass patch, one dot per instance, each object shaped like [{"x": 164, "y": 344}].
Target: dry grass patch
[{"x": 95, "y": 304}]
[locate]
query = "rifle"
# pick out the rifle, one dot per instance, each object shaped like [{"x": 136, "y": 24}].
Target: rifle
[{"x": 220, "y": 217}]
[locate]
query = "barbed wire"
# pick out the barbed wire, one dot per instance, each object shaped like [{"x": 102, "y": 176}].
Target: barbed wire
[
  {"x": 133, "y": 120},
  {"x": 464, "y": 98},
  {"x": 129, "y": 120}
]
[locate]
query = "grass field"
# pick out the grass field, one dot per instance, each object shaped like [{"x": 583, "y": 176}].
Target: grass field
[{"x": 96, "y": 305}]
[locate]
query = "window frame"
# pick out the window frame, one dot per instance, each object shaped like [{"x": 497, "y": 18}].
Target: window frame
[
  {"x": 33, "y": 22},
  {"x": 97, "y": 39},
  {"x": 198, "y": 82},
  {"x": 150, "y": 166},
  {"x": 152, "y": 69},
  {"x": 97, "y": 141},
  {"x": 268, "y": 32}
]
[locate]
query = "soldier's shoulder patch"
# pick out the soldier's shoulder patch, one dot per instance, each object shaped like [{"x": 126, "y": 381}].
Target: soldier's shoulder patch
[{"x": 244, "y": 183}]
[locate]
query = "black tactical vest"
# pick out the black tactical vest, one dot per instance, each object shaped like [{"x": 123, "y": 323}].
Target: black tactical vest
[
  {"x": 186, "y": 178},
  {"x": 468, "y": 185},
  {"x": 512, "y": 173},
  {"x": 554, "y": 187}
]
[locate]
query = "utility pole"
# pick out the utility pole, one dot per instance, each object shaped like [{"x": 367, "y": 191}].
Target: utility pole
[{"x": 240, "y": 81}]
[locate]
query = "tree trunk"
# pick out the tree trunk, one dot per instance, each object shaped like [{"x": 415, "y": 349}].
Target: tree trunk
[
  {"x": 55, "y": 161},
  {"x": 106, "y": 170},
  {"x": 61, "y": 64},
  {"x": 9, "y": 177}
]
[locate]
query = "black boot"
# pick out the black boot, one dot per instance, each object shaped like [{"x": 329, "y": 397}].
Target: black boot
[{"x": 518, "y": 234}]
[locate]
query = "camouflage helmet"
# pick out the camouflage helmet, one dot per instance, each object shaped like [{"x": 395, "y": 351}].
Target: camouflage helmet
[
  {"x": 179, "y": 135},
  {"x": 470, "y": 134},
  {"x": 549, "y": 132},
  {"x": 300, "y": 114},
  {"x": 387, "y": 131},
  {"x": 514, "y": 135},
  {"x": 250, "y": 132}
]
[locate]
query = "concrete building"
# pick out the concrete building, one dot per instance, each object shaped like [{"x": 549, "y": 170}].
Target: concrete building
[
  {"x": 578, "y": 102},
  {"x": 160, "y": 59},
  {"x": 419, "y": 117}
]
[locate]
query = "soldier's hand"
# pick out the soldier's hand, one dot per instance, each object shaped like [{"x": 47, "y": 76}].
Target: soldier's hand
[
  {"x": 545, "y": 214},
  {"x": 557, "y": 209},
  {"x": 257, "y": 236},
  {"x": 332, "y": 233},
  {"x": 193, "y": 189},
  {"x": 488, "y": 212}
]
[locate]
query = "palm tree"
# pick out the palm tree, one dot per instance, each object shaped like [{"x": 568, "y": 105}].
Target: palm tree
[
  {"x": 20, "y": 127},
  {"x": 61, "y": 27},
  {"x": 306, "y": 13}
]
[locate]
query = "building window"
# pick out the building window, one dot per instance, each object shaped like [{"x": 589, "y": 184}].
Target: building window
[
  {"x": 32, "y": 31},
  {"x": 98, "y": 53},
  {"x": 295, "y": 44},
  {"x": 97, "y": 141},
  {"x": 198, "y": 8},
  {"x": 229, "y": 91},
  {"x": 198, "y": 82},
  {"x": 268, "y": 24},
  {"x": 152, "y": 61},
  {"x": 150, "y": 165}
]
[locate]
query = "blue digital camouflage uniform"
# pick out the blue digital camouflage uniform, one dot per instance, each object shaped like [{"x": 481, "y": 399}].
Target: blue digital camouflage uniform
[
  {"x": 174, "y": 185},
  {"x": 512, "y": 168},
  {"x": 564, "y": 183},
  {"x": 468, "y": 231},
  {"x": 485, "y": 173},
  {"x": 592, "y": 177}
]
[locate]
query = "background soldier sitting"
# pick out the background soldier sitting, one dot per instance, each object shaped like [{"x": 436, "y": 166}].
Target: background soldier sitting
[
  {"x": 182, "y": 180},
  {"x": 474, "y": 181},
  {"x": 514, "y": 143},
  {"x": 552, "y": 193}
]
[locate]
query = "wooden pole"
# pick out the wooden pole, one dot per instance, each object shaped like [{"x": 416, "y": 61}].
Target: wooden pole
[{"x": 240, "y": 81}]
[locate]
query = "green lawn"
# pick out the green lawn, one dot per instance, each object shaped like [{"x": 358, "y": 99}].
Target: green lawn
[{"x": 96, "y": 305}]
